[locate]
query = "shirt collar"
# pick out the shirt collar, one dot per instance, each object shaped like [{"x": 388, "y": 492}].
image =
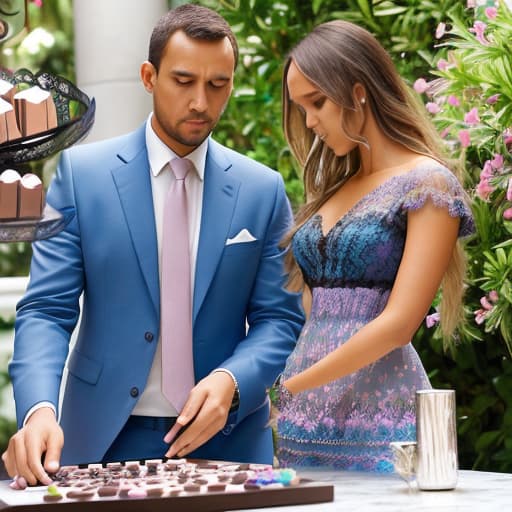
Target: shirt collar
[{"x": 159, "y": 154}]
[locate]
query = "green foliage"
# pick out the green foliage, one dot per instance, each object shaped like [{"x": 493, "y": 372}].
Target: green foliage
[{"x": 474, "y": 97}]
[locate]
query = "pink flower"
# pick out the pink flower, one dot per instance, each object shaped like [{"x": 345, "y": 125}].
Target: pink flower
[
  {"x": 432, "y": 319},
  {"x": 421, "y": 85},
  {"x": 480, "y": 315},
  {"x": 38, "y": 3},
  {"x": 471, "y": 4},
  {"x": 464, "y": 138},
  {"x": 509, "y": 190},
  {"x": 484, "y": 189},
  {"x": 491, "y": 100},
  {"x": 491, "y": 12},
  {"x": 440, "y": 30},
  {"x": 487, "y": 171},
  {"x": 485, "y": 303},
  {"x": 507, "y": 214},
  {"x": 497, "y": 161},
  {"x": 472, "y": 117},
  {"x": 478, "y": 29},
  {"x": 445, "y": 132},
  {"x": 507, "y": 136},
  {"x": 442, "y": 64},
  {"x": 453, "y": 100},
  {"x": 493, "y": 296},
  {"x": 432, "y": 107}
]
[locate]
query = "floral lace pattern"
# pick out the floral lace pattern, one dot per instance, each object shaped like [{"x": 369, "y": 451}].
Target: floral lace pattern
[{"x": 351, "y": 269}]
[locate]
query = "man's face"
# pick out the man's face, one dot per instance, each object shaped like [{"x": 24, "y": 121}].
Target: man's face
[
  {"x": 190, "y": 90},
  {"x": 12, "y": 18}
]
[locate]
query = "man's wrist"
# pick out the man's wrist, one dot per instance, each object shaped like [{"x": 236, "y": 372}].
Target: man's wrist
[{"x": 235, "y": 401}]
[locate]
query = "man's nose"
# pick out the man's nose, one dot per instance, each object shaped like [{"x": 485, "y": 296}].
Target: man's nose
[{"x": 199, "y": 101}]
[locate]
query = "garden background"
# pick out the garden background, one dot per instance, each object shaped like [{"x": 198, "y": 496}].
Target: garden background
[{"x": 457, "y": 55}]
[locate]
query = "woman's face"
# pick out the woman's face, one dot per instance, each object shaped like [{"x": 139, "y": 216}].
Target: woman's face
[{"x": 323, "y": 116}]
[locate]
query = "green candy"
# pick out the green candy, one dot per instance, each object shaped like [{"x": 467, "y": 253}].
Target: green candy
[{"x": 53, "y": 491}]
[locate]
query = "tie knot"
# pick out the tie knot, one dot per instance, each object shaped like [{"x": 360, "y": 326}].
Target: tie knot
[{"x": 180, "y": 167}]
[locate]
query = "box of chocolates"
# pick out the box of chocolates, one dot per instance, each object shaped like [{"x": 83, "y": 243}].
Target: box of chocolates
[{"x": 163, "y": 485}]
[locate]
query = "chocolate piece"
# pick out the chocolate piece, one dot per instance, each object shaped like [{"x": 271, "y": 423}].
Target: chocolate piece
[
  {"x": 239, "y": 478},
  {"x": 124, "y": 490},
  {"x": 8, "y": 126},
  {"x": 52, "y": 497},
  {"x": 216, "y": 487},
  {"x": 7, "y": 91},
  {"x": 35, "y": 111},
  {"x": 192, "y": 487},
  {"x": 251, "y": 487},
  {"x": 80, "y": 495},
  {"x": 108, "y": 490},
  {"x": 154, "y": 492},
  {"x": 9, "y": 185}
]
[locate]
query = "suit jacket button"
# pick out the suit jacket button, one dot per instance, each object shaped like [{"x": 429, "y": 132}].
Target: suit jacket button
[
  {"x": 148, "y": 336},
  {"x": 134, "y": 392},
  {"x": 227, "y": 430}
]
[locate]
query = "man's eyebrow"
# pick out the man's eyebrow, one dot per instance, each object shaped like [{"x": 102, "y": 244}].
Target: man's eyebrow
[{"x": 187, "y": 74}]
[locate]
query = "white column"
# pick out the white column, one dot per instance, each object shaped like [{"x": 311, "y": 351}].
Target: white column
[{"x": 111, "y": 42}]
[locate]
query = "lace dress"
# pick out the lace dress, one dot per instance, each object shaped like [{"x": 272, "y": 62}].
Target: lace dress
[{"x": 350, "y": 422}]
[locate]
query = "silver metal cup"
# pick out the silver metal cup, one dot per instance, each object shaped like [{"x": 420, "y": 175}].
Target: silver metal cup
[{"x": 436, "y": 436}]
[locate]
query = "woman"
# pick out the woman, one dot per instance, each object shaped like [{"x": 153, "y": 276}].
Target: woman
[{"x": 375, "y": 239}]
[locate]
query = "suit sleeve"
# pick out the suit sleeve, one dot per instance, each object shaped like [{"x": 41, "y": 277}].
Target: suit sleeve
[
  {"x": 274, "y": 317},
  {"x": 49, "y": 310}
]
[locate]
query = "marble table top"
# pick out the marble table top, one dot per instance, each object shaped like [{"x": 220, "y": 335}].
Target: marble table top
[{"x": 368, "y": 492}]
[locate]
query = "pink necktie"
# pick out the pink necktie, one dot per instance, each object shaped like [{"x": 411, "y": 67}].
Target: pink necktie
[{"x": 176, "y": 303}]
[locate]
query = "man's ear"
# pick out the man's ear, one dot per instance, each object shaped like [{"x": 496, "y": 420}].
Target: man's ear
[{"x": 148, "y": 74}]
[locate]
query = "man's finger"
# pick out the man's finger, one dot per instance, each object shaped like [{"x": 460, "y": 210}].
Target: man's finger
[
  {"x": 53, "y": 452},
  {"x": 34, "y": 450},
  {"x": 10, "y": 462},
  {"x": 20, "y": 456}
]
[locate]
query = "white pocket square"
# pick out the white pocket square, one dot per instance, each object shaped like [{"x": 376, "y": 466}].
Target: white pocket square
[{"x": 243, "y": 237}]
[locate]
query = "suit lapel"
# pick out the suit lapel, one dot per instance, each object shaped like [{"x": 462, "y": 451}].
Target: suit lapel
[
  {"x": 219, "y": 199},
  {"x": 133, "y": 184}
]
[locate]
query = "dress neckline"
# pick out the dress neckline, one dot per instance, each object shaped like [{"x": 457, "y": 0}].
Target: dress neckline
[{"x": 365, "y": 197}]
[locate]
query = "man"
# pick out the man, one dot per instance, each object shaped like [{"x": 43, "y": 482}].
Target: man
[{"x": 114, "y": 406}]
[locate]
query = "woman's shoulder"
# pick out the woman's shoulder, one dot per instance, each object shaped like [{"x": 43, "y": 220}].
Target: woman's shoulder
[
  {"x": 430, "y": 171},
  {"x": 433, "y": 181}
]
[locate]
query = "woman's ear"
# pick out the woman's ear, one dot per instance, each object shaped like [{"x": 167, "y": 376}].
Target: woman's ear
[{"x": 359, "y": 94}]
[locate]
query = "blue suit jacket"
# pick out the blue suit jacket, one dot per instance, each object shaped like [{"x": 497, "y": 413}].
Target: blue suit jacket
[{"x": 109, "y": 251}]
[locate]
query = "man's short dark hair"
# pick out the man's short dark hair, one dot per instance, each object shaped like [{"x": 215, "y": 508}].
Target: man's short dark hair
[{"x": 197, "y": 22}]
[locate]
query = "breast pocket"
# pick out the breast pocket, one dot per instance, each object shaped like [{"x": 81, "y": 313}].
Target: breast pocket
[{"x": 242, "y": 248}]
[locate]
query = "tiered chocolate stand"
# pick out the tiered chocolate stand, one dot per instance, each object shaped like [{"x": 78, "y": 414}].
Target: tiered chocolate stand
[{"x": 40, "y": 115}]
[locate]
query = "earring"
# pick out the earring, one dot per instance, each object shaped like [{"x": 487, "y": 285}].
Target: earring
[{"x": 363, "y": 101}]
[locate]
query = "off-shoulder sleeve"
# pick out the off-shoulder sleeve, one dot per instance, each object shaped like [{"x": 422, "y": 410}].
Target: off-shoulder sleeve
[{"x": 440, "y": 186}]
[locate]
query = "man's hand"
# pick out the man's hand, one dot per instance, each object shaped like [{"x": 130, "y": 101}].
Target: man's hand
[
  {"x": 205, "y": 411},
  {"x": 22, "y": 459}
]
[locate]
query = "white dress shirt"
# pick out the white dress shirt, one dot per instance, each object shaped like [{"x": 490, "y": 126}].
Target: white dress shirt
[{"x": 152, "y": 402}]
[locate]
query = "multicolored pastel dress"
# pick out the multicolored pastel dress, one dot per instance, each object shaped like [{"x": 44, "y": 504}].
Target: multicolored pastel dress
[{"x": 349, "y": 423}]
